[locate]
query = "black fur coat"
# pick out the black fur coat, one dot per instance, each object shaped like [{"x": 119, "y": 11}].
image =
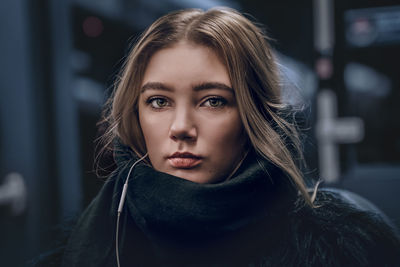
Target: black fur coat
[{"x": 255, "y": 219}]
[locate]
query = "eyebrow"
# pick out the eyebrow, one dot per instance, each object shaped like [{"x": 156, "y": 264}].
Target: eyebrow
[{"x": 198, "y": 87}]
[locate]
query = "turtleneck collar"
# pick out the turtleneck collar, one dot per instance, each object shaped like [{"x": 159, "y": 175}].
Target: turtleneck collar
[
  {"x": 174, "y": 213},
  {"x": 169, "y": 208}
]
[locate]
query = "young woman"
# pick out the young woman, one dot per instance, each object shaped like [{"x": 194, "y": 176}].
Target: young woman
[{"x": 206, "y": 163}]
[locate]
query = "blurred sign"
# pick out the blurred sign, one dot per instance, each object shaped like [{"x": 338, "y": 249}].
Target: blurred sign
[
  {"x": 372, "y": 26},
  {"x": 13, "y": 193},
  {"x": 331, "y": 131}
]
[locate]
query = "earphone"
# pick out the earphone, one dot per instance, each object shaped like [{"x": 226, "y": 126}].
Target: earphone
[{"x": 121, "y": 205}]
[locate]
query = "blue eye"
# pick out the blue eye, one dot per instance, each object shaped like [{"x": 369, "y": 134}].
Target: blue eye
[
  {"x": 215, "y": 102},
  {"x": 157, "y": 102}
]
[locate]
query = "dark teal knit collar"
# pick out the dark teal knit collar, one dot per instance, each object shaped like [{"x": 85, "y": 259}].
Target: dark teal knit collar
[{"x": 172, "y": 209}]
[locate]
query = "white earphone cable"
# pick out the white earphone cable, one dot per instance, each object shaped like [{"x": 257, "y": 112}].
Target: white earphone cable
[{"x": 121, "y": 205}]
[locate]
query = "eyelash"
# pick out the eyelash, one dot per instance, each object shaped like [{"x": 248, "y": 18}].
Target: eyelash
[
  {"x": 222, "y": 102},
  {"x": 152, "y": 99}
]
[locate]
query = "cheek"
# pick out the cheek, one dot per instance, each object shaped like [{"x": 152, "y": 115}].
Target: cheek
[
  {"x": 226, "y": 145},
  {"x": 153, "y": 140},
  {"x": 226, "y": 136},
  {"x": 153, "y": 129}
]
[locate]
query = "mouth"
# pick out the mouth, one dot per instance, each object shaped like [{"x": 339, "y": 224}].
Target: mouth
[{"x": 184, "y": 160}]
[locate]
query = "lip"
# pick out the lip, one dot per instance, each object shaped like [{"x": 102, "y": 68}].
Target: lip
[{"x": 184, "y": 160}]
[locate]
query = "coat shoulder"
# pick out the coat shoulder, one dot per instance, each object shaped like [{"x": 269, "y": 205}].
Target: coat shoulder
[
  {"x": 50, "y": 258},
  {"x": 339, "y": 231}
]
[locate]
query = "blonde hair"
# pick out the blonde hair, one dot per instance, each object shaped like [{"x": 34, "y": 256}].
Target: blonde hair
[{"x": 246, "y": 53}]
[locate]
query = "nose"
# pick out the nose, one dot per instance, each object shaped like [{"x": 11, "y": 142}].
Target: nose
[{"x": 183, "y": 126}]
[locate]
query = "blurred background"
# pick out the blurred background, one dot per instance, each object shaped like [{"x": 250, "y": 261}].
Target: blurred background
[{"x": 339, "y": 60}]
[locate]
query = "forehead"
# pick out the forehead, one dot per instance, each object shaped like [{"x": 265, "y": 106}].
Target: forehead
[{"x": 186, "y": 62}]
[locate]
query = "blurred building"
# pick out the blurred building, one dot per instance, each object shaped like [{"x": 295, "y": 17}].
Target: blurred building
[{"x": 339, "y": 64}]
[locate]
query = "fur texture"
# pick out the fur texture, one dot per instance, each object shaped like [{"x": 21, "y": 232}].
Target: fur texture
[{"x": 254, "y": 219}]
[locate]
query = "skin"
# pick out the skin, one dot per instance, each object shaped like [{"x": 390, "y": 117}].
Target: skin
[{"x": 187, "y": 105}]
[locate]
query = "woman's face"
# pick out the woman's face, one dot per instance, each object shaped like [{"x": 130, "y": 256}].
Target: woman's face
[{"x": 189, "y": 116}]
